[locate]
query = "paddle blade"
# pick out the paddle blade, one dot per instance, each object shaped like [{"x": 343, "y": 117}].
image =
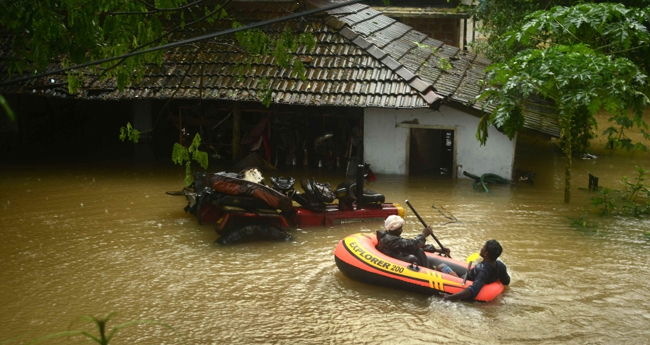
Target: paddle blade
[{"x": 473, "y": 257}]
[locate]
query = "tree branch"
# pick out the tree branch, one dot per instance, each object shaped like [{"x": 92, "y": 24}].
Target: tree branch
[
  {"x": 565, "y": 30},
  {"x": 450, "y": 217},
  {"x": 627, "y": 50},
  {"x": 157, "y": 10},
  {"x": 104, "y": 71}
]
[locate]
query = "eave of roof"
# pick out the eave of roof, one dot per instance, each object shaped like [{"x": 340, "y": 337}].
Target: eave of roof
[
  {"x": 414, "y": 12},
  {"x": 401, "y": 47}
]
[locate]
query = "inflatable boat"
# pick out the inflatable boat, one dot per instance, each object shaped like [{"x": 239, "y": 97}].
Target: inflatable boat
[{"x": 358, "y": 259}]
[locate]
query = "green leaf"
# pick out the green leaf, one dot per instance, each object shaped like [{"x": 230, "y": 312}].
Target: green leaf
[
  {"x": 129, "y": 132},
  {"x": 202, "y": 158},
  {"x": 7, "y": 108},
  {"x": 180, "y": 154},
  {"x": 196, "y": 142}
]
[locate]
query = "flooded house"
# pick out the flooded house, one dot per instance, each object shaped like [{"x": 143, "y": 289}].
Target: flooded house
[{"x": 375, "y": 90}]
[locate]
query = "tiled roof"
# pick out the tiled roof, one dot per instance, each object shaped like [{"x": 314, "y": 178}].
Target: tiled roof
[
  {"x": 453, "y": 73},
  {"x": 362, "y": 59}
]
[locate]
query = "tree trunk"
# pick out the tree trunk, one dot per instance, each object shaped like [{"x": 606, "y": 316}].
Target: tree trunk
[
  {"x": 567, "y": 171},
  {"x": 565, "y": 130}
]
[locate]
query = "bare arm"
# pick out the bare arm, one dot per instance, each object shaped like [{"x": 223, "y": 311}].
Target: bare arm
[{"x": 465, "y": 294}]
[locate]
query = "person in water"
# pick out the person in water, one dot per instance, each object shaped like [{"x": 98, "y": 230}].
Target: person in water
[
  {"x": 392, "y": 244},
  {"x": 486, "y": 272}
]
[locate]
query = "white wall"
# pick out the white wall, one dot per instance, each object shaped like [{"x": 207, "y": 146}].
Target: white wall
[{"x": 386, "y": 141}]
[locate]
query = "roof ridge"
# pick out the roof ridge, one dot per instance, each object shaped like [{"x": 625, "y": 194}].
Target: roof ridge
[{"x": 426, "y": 91}]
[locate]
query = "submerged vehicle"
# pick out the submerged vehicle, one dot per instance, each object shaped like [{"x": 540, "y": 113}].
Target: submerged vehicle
[
  {"x": 358, "y": 259},
  {"x": 235, "y": 202}
]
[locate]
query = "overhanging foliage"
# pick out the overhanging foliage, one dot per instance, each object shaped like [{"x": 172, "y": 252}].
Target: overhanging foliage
[{"x": 579, "y": 58}]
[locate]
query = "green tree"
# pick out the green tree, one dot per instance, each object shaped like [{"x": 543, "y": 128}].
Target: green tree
[
  {"x": 76, "y": 31},
  {"x": 578, "y": 58},
  {"x": 73, "y": 32},
  {"x": 495, "y": 18}
]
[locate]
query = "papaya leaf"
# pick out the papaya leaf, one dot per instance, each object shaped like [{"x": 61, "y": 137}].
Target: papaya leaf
[
  {"x": 202, "y": 158},
  {"x": 180, "y": 154},
  {"x": 196, "y": 142}
]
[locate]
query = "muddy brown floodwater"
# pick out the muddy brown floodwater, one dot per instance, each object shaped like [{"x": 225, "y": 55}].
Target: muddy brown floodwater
[{"x": 88, "y": 239}]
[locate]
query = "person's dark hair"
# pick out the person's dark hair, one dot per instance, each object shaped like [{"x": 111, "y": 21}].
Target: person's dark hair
[{"x": 493, "y": 248}]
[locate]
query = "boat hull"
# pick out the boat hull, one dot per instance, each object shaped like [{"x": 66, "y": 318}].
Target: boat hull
[{"x": 357, "y": 258}]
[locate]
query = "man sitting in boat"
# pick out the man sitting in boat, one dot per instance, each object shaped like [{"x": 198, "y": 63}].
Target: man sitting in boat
[
  {"x": 485, "y": 272},
  {"x": 392, "y": 244}
]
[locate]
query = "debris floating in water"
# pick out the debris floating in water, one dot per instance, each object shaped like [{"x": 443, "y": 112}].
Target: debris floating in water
[{"x": 484, "y": 179}]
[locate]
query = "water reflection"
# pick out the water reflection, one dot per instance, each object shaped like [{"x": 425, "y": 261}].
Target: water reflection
[{"x": 88, "y": 239}]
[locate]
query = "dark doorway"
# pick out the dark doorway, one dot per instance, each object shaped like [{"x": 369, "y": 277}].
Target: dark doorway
[{"x": 431, "y": 152}]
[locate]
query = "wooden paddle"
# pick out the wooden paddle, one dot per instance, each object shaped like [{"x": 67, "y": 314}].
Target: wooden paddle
[
  {"x": 469, "y": 261},
  {"x": 425, "y": 225}
]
